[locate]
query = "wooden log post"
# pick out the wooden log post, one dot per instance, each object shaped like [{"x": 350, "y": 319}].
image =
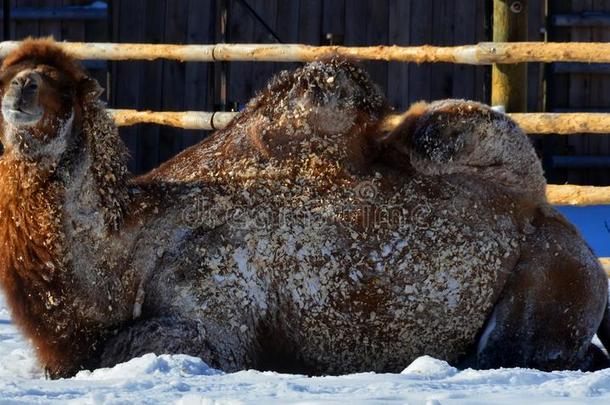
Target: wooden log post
[
  {"x": 221, "y": 69},
  {"x": 509, "y": 82}
]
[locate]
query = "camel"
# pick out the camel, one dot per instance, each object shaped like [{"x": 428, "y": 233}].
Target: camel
[{"x": 304, "y": 237}]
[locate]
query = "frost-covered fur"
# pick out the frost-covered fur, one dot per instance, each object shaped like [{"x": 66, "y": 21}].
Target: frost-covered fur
[
  {"x": 296, "y": 239},
  {"x": 459, "y": 136}
]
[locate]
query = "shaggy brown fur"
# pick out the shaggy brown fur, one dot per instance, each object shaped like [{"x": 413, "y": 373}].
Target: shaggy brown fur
[
  {"x": 36, "y": 245},
  {"x": 299, "y": 238},
  {"x": 44, "y": 52}
]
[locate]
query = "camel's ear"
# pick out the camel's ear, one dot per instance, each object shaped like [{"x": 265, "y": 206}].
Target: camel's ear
[
  {"x": 398, "y": 130},
  {"x": 90, "y": 90}
]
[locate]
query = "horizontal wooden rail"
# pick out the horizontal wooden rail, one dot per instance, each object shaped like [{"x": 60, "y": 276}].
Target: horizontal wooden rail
[
  {"x": 567, "y": 194},
  {"x": 179, "y": 119},
  {"x": 533, "y": 123},
  {"x": 563, "y": 123},
  {"x": 484, "y": 53},
  {"x": 557, "y": 194}
]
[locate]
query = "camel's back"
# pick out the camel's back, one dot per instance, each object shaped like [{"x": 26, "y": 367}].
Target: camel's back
[
  {"x": 346, "y": 272},
  {"x": 300, "y": 244}
]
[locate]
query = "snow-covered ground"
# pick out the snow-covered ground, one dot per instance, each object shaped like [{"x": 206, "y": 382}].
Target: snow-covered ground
[{"x": 187, "y": 380}]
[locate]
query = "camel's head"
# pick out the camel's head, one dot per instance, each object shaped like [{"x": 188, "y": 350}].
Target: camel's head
[{"x": 42, "y": 90}]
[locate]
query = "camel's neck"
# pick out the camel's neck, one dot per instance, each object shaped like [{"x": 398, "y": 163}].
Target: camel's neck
[
  {"x": 60, "y": 267},
  {"x": 49, "y": 206},
  {"x": 30, "y": 220},
  {"x": 34, "y": 264}
]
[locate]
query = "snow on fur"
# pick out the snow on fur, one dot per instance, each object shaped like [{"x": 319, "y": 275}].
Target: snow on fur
[{"x": 187, "y": 380}]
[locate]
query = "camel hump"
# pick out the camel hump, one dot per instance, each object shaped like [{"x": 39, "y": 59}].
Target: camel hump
[
  {"x": 326, "y": 93},
  {"x": 326, "y": 108},
  {"x": 461, "y": 136}
]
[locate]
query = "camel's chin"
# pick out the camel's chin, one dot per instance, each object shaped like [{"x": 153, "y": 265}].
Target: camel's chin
[{"x": 20, "y": 118}]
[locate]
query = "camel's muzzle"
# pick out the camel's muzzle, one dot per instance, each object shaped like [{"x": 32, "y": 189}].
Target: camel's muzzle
[{"x": 20, "y": 106}]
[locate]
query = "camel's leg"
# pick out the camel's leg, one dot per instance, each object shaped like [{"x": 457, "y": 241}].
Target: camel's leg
[
  {"x": 167, "y": 335},
  {"x": 550, "y": 308}
]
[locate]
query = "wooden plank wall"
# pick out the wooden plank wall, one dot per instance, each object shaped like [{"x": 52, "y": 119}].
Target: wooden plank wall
[
  {"x": 194, "y": 86},
  {"x": 578, "y": 92},
  {"x": 175, "y": 86},
  {"x": 161, "y": 85},
  {"x": 315, "y": 22},
  {"x": 365, "y": 22},
  {"x": 319, "y": 22}
]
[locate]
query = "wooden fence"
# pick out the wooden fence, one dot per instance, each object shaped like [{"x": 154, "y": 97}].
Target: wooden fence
[
  {"x": 484, "y": 53},
  {"x": 197, "y": 86}
]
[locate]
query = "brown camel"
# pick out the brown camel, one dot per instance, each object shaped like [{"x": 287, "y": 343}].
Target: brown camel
[{"x": 303, "y": 237}]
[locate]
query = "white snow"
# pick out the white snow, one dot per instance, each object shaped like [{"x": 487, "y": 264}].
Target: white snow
[{"x": 187, "y": 380}]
